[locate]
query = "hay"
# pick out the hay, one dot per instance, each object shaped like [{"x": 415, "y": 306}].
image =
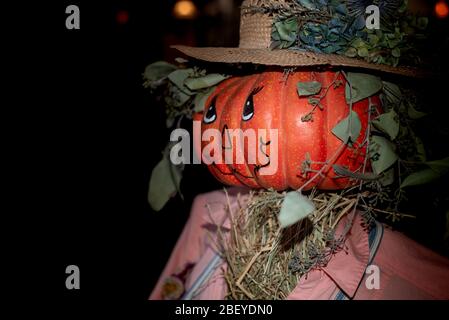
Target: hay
[{"x": 265, "y": 262}]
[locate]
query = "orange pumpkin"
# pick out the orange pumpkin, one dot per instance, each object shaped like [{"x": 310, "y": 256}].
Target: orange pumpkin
[{"x": 270, "y": 100}]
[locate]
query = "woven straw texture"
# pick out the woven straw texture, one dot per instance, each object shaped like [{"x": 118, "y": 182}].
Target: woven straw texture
[{"x": 255, "y": 40}]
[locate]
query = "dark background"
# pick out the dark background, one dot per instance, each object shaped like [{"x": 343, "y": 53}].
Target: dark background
[{"x": 95, "y": 134}]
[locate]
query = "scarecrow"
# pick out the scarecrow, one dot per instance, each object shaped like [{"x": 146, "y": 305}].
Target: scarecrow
[{"x": 298, "y": 222}]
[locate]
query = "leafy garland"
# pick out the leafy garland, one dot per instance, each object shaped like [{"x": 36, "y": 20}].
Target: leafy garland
[
  {"x": 184, "y": 90},
  {"x": 395, "y": 152},
  {"x": 340, "y": 29}
]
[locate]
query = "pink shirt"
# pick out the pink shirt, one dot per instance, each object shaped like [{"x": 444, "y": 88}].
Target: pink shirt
[{"x": 380, "y": 265}]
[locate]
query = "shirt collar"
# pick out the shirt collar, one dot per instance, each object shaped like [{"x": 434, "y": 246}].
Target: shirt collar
[{"x": 347, "y": 267}]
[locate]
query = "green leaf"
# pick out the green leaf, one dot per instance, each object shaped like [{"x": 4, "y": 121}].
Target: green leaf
[
  {"x": 308, "y": 88},
  {"x": 387, "y": 177},
  {"x": 176, "y": 97},
  {"x": 420, "y": 177},
  {"x": 158, "y": 70},
  {"x": 348, "y": 129},
  {"x": 287, "y": 29},
  {"x": 413, "y": 113},
  {"x": 308, "y": 4},
  {"x": 294, "y": 208},
  {"x": 362, "y": 86},
  {"x": 358, "y": 43},
  {"x": 396, "y": 52},
  {"x": 200, "y": 99},
  {"x": 373, "y": 39},
  {"x": 351, "y": 52},
  {"x": 392, "y": 92},
  {"x": 388, "y": 123},
  {"x": 440, "y": 166},
  {"x": 207, "y": 81},
  {"x": 178, "y": 77},
  {"x": 382, "y": 154},
  {"x": 362, "y": 52},
  {"x": 164, "y": 183}
]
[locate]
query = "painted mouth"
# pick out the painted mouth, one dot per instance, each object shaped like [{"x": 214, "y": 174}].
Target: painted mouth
[{"x": 234, "y": 171}]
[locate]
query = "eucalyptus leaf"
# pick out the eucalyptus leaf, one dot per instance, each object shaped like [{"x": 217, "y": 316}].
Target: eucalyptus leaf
[
  {"x": 200, "y": 99},
  {"x": 440, "y": 166},
  {"x": 362, "y": 52},
  {"x": 275, "y": 36},
  {"x": 308, "y": 88},
  {"x": 413, "y": 113},
  {"x": 207, "y": 81},
  {"x": 359, "y": 23},
  {"x": 358, "y": 43},
  {"x": 387, "y": 177},
  {"x": 351, "y": 52},
  {"x": 331, "y": 49},
  {"x": 287, "y": 29},
  {"x": 396, "y": 52},
  {"x": 388, "y": 123},
  {"x": 178, "y": 77},
  {"x": 392, "y": 92},
  {"x": 176, "y": 97},
  {"x": 373, "y": 39},
  {"x": 420, "y": 177},
  {"x": 362, "y": 86},
  {"x": 158, "y": 70},
  {"x": 295, "y": 207},
  {"x": 382, "y": 154},
  {"x": 164, "y": 183},
  {"x": 348, "y": 129},
  {"x": 308, "y": 4},
  {"x": 341, "y": 9}
]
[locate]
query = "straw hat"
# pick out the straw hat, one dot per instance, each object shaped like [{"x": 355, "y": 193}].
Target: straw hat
[{"x": 255, "y": 41}]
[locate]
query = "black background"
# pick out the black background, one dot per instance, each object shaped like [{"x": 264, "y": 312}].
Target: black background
[{"x": 91, "y": 135}]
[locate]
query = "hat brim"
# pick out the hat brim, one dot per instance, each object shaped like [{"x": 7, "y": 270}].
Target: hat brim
[{"x": 289, "y": 58}]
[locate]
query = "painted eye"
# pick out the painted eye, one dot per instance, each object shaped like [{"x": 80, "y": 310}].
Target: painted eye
[
  {"x": 211, "y": 113},
  {"x": 248, "y": 109}
]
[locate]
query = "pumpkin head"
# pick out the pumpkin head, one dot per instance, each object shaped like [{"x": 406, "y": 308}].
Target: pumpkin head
[{"x": 270, "y": 100}]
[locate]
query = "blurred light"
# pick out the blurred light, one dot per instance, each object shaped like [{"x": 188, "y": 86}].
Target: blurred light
[
  {"x": 122, "y": 17},
  {"x": 441, "y": 9},
  {"x": 184, "y": 9}
]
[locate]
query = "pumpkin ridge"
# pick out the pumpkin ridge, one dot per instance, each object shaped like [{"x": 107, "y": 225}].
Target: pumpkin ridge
[
  {"x": 285, "y": 107},
  {"x": 223, "y": 176},
  {"x": 275, "y": 100},
  {"x": 254, "y": 176},
  {"x": 227, "y": 106},
  {"x": 325, "y": 128}
]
